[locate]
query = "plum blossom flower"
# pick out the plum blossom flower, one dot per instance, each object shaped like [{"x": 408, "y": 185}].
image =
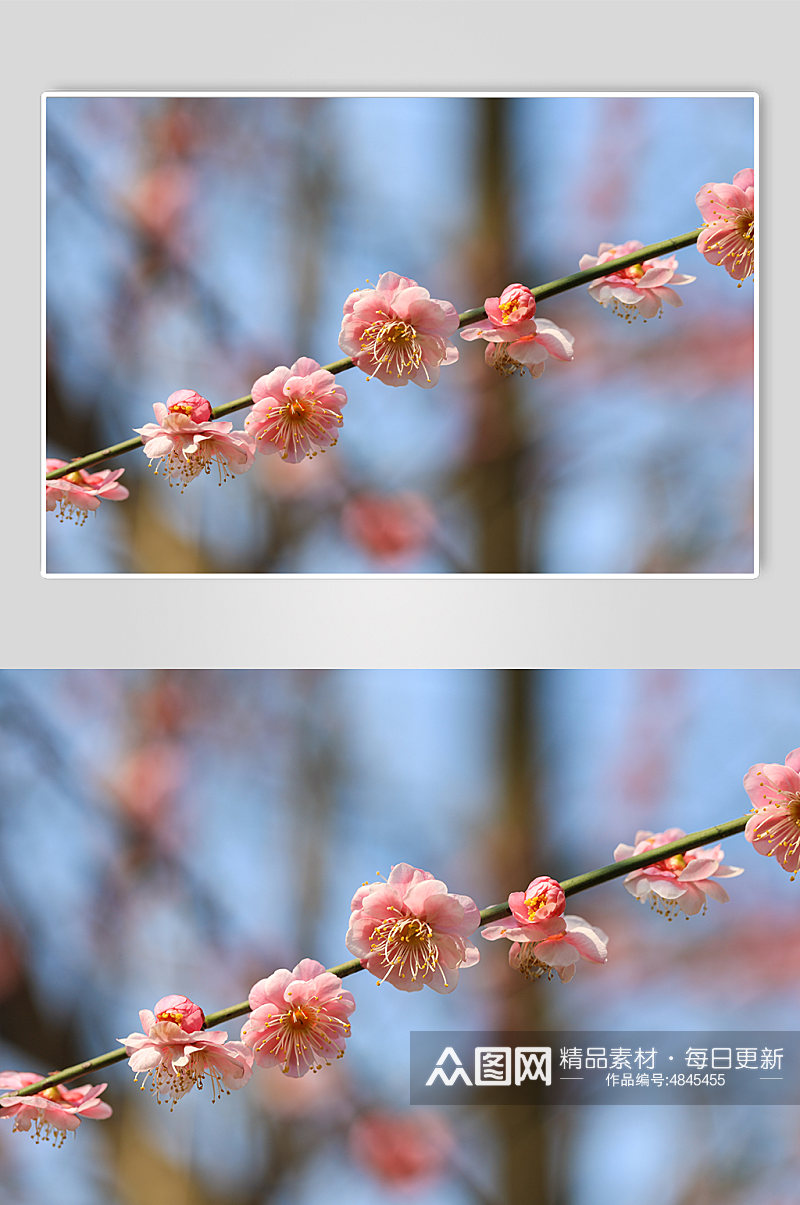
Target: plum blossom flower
[
  {"x": 559, "y": 953},
  {"x": 510, "y": 352},
  {"x": 774, "y": 827},
  {"x": 178, "y": 1053},
  {"x": 183, "y": 437},
  {"x": 299, "y": 1020},
  {"x": 398, "y": 333},
  {"x": 536, "y": 912},
  {"x": 75, "y": 494},
  {"x": 52, "y": 1112},
  {"x": 682, "y": 882},
  {"x": 297, "y": 410},
  {"x": 401, "y": 1150},
  {"x": 729, "y": 219},
  {"x": 638, "y": 291},
  {"x": 411, "y": 931}
]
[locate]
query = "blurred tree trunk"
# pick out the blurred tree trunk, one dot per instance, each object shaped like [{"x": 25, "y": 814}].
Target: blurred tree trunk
[{"x": 507, "y": 540}]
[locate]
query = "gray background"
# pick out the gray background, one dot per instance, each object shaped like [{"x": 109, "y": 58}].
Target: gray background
[{"x": 385, "y": 46}]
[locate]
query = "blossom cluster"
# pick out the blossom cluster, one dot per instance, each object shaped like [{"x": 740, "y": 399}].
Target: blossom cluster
[{"x": 397, "y": 333}]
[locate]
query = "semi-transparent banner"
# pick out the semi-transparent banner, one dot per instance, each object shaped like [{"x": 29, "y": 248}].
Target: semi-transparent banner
[{"x": 615, "y": 1067}]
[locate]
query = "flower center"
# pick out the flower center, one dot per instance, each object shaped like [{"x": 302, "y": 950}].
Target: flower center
[
  {"x": 635, "y": 272},
  {"x": 744, "y": 225},
  {"x": 181, "y": 408},
  {"x": 530, "y": 966},
  {"x": 509, "y": 309},
  {"x": 534, "y": 903},
  {"x": 170, "y": 1014},
  {"x": 676, "y": 864},
  {"x": 406, "y": 944},
  {"x": 394, "y": 345}
]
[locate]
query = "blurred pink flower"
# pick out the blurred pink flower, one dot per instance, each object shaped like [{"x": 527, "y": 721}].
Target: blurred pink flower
[
  {"x": 297, "y": 411},
  {"x": 388, "y": 527},
  {"x": 299, "y": 1020},
  {"x": 410, "y": 930},
  {"x": 682, "y": 882},
  {"x": 146, "y": 781},
  {"x": 508, "y": 317},
  {"x": 559, "y": 952},
  {"x": 729, "y": 217},
  {"x": 531, "y": 352},
  {"x": 53, "y": 1111},
  {"x": 183, "y": 437},
  {"x": 535, "y": 913},
  {"x": 402, "y": 1150},
  {"x": 398, "y": 333},
  {"x": 774, "y": 827},
  {"x": 74, "y": 495},
  {"x": 178, "y": 1056},
  {"x": 640, "y": 290}
]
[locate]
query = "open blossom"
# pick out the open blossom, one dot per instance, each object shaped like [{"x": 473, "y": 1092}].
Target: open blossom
[
  {"x": 729, "y": 218},
  {"x": 410, "y": 930},
  {"x": 535, "y": 913},
  {"x": 299, "y": 1020},
  {"x": 681, "y": 882},
  {"x": 75, "y": 494},
  {"x": 559, "y": 953},
  {"x": 297, "y": 411},
  {"x": 398, "y": 333},
  {"x": 528, "y": 352},
  {"x": 637, "y": 291},
  {"x": 53, "y": 1111},
  {"x": 774, "y": 827},
  {"x": 185, "y": 439},
  {"x": 178, "y": 1053}
]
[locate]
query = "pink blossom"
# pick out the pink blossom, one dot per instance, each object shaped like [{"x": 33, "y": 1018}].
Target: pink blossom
[
  {"x": 640, "y": 290},
  {"x": 53, "y": 1111},
  {"x": 559, "y": 952},
  {"x": 409, "y": 930},
  {"x": 389, "y": 527},
  {"x": 402, "y": 1150},
  {"x": 528, "y": 352},
  {"x": 508, "y": 317},
  {"x": 178, "y": 1054},
  {"x": 729, "y": 218},
  {"x": 681, "y": 882},
  {"x": 774, "y": 827},
  {"x": 535, "y": 913},
  {"x": 189, "y": 443},
  {"x": 299, "y": 1020},
  {"x": 398, "y": 333},
  {"x": 75, "y": 494},
  {"x": 297, "y": 410}
]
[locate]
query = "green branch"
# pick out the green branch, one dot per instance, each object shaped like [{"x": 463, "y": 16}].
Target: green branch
[
  {"x": 469, "y": 316},
  {"x": 581, "y": 882}
]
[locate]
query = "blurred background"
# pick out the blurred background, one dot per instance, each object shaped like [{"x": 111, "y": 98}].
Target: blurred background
[
  {"x": 198, "y": 242},
  {"x": 192, "y": 831}
]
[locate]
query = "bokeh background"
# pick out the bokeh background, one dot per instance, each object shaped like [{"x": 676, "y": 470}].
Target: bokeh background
[
  {"x": 198, "y": 242},
  {"x": 191, "y": 831}
]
